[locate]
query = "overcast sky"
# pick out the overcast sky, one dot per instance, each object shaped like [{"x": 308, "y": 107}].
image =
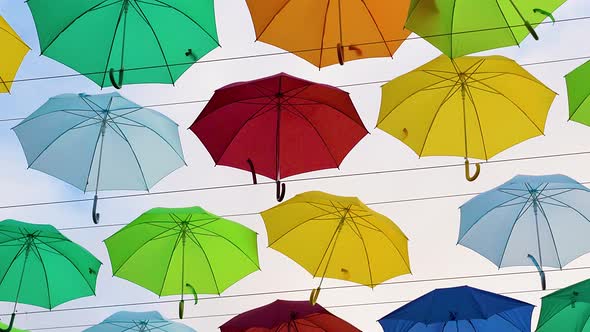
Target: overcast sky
[{"x": 431, "y": 225}]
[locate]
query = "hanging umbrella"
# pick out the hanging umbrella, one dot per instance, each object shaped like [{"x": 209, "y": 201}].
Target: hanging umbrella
[
  {"x": 529, "y": 220},
  {"x": 567, "y": 309},
  {"x": 460, "y": 309},
  {"x": 337, "y": 237},
  {"x": 42, "y": 267},
  {"x": 279, "y": 126},
  {"x": 287, "y": 316},
  {"x": 473, "y": 107},
  {"x": 14, "y": 50},
  {"x": 127, "y": 321},
  {"x": 333, "y": 31},
  {"x": 100, "y": 142},
  {"x": 578, "y": 92},
  {"x": 463, "y": 27},
  {"x": 150, "y": 41},
  {"x": 183, "y": 251}
]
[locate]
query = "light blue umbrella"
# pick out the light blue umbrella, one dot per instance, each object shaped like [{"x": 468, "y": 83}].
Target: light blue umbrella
[
  {"x": 126, "y": 321},
  {"x": 529, "y": 220},
  {"x": 100, "y": 142}
]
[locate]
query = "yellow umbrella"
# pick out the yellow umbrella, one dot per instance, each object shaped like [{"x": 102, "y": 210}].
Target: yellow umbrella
[
  {"x": 472, "y": 107},
  {"x": 326, "y": 32},
  {"x": 337, "y": 237},
  {"x": 13, "y": 52}
]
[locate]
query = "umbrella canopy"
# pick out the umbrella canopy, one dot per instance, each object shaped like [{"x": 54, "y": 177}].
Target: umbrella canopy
[
  {"x": 100, "y": 142},
  {"x": 42, "y": 267},
  {"x": 461, "y": 27},
  {"x": 150, "y": 41},
  {"x": 529, "y": 220},
  {"x": 334, "y": 31},
  {"x": 567, "y": 309},
  {"x": 287, "y": 316},
  {"x": 337, "y": 237},
  {"x": 127, "y": 321},
  {"x": 473, "y": 107},
  {"x": 14, "y": 50},
  {"x": 460, "y": 309},
  {"x": 279, "y": 126},
  {"x": 177, "y": 251},
  {"x": 578, "y": 92}
]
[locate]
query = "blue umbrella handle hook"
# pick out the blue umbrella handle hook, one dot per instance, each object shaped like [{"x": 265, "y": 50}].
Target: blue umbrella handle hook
[
  {"x": 280, "y": 191},
  {"x": 253, "y": 171},
  {"x": 468, "y": 176},
  {"x": 541, "y": 272},
  {"x": 116, "y": 83},
  {"x": 9, "y": 328},
  {"x": 95, "y": 215}
]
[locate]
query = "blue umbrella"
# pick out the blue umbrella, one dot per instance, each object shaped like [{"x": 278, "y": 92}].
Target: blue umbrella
[
  {"x": 126, "y": 321},
  {"x": 100, "y": 142},
  {"x": 460, "y": 309},
  {"x": 529, "y": 220}
]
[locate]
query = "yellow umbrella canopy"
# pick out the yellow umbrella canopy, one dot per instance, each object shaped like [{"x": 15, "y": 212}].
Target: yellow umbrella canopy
[
  {"x": 13, "y": 52},
  {"x": 337, "y": 237},
  {"x": 326, "y": 32},
  {"x": 472, "y": 107}
]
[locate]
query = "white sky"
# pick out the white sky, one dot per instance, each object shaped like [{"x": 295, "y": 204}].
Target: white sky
[{"x": 431, "y": 225}]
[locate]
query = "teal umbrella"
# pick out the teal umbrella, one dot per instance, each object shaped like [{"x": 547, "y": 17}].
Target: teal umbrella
[
  {"x": 100, "y": 142},
  {"x": 151, "y": 41},
  {"x": 42, "y": 267},
  {"x": 127, "y": 321}
]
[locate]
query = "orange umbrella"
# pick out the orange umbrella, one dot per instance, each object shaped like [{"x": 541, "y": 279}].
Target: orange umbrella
[{"x": 325, "y": 32}]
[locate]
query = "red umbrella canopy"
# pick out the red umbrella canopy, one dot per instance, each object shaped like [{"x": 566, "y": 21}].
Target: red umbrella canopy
[
  {"x": 287, "y": 316},
  {"x": 279, "y": 126}
]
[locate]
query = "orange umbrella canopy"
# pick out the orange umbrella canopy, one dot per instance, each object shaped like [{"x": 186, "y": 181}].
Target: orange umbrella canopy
[{"x": 326, "y": 32}]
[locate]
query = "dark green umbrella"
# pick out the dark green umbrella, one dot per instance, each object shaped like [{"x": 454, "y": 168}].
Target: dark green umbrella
[
  {"x": 151, "y": 41},
  {"x": 41, "y": 267},
  {"x": 567, "y": 309}
]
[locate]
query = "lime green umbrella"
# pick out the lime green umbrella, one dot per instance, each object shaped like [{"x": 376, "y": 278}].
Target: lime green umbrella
[
  {"x": 177, "y": 251},
  {"x": 151, "y": 41},
  {"x": 578, "y": 91},
  {"x": 42, "y": 267},
  {"x": 460, "y": 27},
  {"x": 567, "y": 309}
]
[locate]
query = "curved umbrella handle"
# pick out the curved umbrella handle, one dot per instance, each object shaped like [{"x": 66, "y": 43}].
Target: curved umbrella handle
[
  {"x": 181, "y": 309},
  {"x": 190, "y": 54},
  {"x": 116, "y": 83},
  {"x": 313, "y": 297},
  {"x": 340, "y": 52},
  {"x": 280, "y": 191},
  {"x": 95, "y": 215},
  {"x": 252, "y": 170},
  {"x": 9, "y": 328},
  {"x": 468, "y": 176},
  {"x": 531, "y": 30},
  {"x": 541, "y": 272}
]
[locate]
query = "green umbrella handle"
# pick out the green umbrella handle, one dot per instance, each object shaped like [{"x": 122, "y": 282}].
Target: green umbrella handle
[
  {"x": 313, "y": 297},
  {"x": 280, "y": 191},
  {"x": 181, "y": 309},
  {"x": 468, "y": 176},
  {"x": 531, "y": 30},
  {"x": 252, "y": 170},
  {"x": 95, "y": 215},
  {"x": 116, "y": 83},
  {"x": 9, "y": 328},
  {"x": 190, "y": 54},
  {"x": 340, "y": 52}
]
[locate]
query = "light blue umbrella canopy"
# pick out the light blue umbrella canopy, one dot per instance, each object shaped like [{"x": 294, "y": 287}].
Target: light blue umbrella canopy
[
  {"x": 126, "y": 321},
  {"x": 530, "y": 220},
  {"x": 100, "y": 142},
  {"x": 460, "y": 309}
]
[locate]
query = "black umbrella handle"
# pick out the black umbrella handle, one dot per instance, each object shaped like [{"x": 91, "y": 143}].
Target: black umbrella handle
[
  {"x": 253, "y": 171},
  {"x": 95, "y": 215},
  {"x": 9, "y": 328},
  {"x": 280, "y": 191},
  {"x": 116, "y": 83}
]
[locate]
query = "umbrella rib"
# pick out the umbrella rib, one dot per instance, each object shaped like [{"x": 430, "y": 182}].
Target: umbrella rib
[
  {"x": 507, "y": 24},
  {"x": 272, "y": 19},
  {"x": 198, "y": 243},
  {"x": 230, "y": 241},
  {"x": 500, "y": 314},
  {"x": 190, "y": 18},
  {"x": 377, "y": 27},
  {"x": 71, "y": 262},
  {"x": 298, "y": 225},
  {"x": 71, "y": 23},
  {"x": 551, "y": 232},
  {"x": 330, "y": 106},
  {"x": 470, "y": 95},
  {"x": 169, "y": 263},
  {"x": 44, "y": 272},
  {"x": 11, "y": 263},
  {"x": 106, "y": 65},
  {"x": 569, "y": 206},
  {"x": 334, "y": 235},
  {"x": 15, "y": 37},
  {"x": 518, "y": 216},
  {"x": 366, "y": 251},
  {"x": 324, "y": 32}
]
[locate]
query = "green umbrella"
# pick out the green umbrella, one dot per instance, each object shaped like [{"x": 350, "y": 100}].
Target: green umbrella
[
  {"x": 460, "y": 27},
  {"x": 155, "y": 40},
  {"x": 567, "y": 309},
  {"x": 578, "y": 91},
  {"x": 183, "y": 251},
  {"x": 42, "y": 267}
]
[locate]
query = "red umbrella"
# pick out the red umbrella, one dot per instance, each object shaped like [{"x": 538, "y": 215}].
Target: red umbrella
[
  {"x": 287, "y": 316},
  {"x": 279, "y": 126}
]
